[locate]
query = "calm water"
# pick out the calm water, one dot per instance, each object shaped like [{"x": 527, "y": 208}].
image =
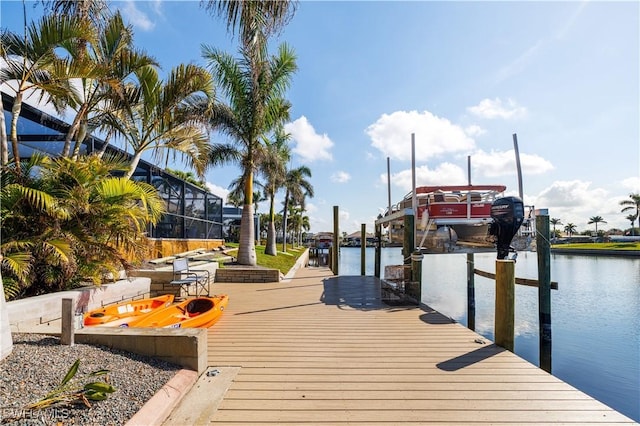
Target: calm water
[{"x": 595, "y": 314}]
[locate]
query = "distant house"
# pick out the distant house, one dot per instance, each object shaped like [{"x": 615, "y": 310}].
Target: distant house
[{"x": 355, "y": 239}]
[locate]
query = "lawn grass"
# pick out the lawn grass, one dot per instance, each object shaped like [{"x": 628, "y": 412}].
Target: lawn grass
[
  {"x": 599, "y": 246},
  {"x": 283, "y": 261}
]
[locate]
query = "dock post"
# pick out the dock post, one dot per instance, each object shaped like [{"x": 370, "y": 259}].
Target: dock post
[
  {"x": 67, "y": 326},
  {"x": 378, "y": 255},
  {"x": 336, "y": 241},
  {"x": 363, "y": 247},
  {"x": 415, "y": 286},
  {"x": 408, "y": 243},
  {"x": 543, "y": 249},
  {"x": 505, "y": 303},
  {"x": 471, "y": 293}
]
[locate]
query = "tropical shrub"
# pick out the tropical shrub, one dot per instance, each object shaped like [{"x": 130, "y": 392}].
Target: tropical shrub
[{"x": 65, "y": 222}]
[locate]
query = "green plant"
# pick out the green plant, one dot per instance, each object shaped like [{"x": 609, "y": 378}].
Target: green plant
[{"x": 70, "y": 392}]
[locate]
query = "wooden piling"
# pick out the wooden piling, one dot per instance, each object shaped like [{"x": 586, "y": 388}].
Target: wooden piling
[
  {"x": 543, "y": 249},
  {"x": 414, "y": 288},
  {"x": 67, "y": 326},
  {"x": 378, "y": 254},
  {"x": 363, "y": 248},
  {"x": 471, "y": 292},
  {"x": 408, "y": 243},
  {"x": 336, "y": 242},
  {"x": 505, "y": 303}
]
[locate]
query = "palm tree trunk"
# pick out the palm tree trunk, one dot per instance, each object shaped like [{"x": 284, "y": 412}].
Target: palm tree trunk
[
  {"x": 4, "y": 144},
  {"x": 134, "y": 164},
  {"x": 15, "y": 111},
  {"x": 284, "y": 222},
  {"x": 270, "y": 248},
  {"x": 247, "y": 246}
]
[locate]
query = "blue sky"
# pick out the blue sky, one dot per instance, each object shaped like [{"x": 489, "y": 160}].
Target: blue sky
[{"x": 462, "y": 76}]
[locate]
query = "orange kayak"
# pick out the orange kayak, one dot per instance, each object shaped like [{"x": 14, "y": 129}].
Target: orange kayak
[
  {"x": 199, "y": 312},
  {"x": 114, "y": 315}
]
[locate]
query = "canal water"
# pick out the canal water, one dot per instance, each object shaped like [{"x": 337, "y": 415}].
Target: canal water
[{"x": 595, "y": 314}]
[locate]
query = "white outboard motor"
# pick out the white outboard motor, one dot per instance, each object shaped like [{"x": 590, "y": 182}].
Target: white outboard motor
[{"x": 507, "y": 214}]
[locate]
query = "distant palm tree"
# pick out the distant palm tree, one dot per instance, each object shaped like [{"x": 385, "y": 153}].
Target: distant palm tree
[
  {"x": 570, "y": 229},
  {"x": 297, "y": 187},
  {"x": 632, "y": 205},
  {"x": 254, "y": 86},
  {"x": 274, "y": 169},
  {"x": 631, "y": 218},
  {"x": 596, "y": 220},
  {"x": 555, "y": 221}
]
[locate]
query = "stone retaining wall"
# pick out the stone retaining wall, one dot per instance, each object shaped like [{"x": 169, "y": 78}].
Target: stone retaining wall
[
  {"x": 48, "y": 307},
  {"x": 247, "y": 275}
]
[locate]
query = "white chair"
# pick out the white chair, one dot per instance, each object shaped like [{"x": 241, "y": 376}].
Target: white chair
[{"x": 185, "y": 277}]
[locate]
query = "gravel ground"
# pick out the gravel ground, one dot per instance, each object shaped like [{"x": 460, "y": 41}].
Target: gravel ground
[{"x": 38, "y": 364}]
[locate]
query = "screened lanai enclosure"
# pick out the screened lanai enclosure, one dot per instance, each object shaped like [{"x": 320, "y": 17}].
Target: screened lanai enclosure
[{"x": 191, "y": 211}]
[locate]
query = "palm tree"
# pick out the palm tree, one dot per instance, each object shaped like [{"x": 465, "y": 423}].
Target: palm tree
[
  {"x": 555, "y": 221},
  {"x": 254, "y": 86},
  {"x": 632, "y": 205},
  {"x": 33, "y": 65},
  {"x": 296, "y": 188},
  {"x": 632, "y": 218},
  {"x": 170, "y": 116},
  {"x": 274, "y": 168},
  {"x": 570, "y": 228},
  {"x": 112, "y": 68},
  {"x": 255, "y": 20},
  {"x": 596, "y": 220}
]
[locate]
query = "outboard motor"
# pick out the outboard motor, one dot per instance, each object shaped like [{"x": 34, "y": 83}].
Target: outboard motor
[{"x": 507, "y": 214}]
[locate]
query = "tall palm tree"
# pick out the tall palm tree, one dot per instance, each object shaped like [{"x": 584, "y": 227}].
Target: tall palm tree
[
  {"x": 632, "y": 205},
  {"x": 296, "y": 188},
  {"x": 33, "y": 64},
  {"x": 596, "y": 220},
  {"x": 254, "y": 86},
  {"x": 254, "y": 20},
  {"x": 274, "y": 169},
  {"x": 170, "y": 117},
  {"x": 570, "y": 228},
  {"x": 631, "y": 218}
]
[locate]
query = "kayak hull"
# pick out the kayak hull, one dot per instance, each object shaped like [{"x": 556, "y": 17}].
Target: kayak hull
[
  {"x": 115, "y": 315},
  {"x": 199, "y": 312}
]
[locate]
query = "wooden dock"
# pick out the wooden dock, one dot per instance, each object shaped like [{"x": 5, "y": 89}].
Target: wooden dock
[{"x": 321, "y": 349}]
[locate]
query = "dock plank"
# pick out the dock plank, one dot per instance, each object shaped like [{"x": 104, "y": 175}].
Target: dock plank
[{"x": 325, "y": 350}]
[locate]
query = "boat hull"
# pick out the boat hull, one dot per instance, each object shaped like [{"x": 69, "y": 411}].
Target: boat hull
[
  {"x": 114, "y": 315},
  {"x": 199, "y": 312}
]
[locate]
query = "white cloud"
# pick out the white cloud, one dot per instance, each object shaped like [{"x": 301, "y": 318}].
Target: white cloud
[
  {"x": 218, "y": 190},
  {"x": 495, "y": 108},
  {"x": 391, "y": 134},
  {"x": 340, "y": 177},
  {"x": 576, "y": 201},
  {"x": 632, "y": 184},
  {"x": 309, "y": 145},
  {"x": 503, "y": 163},
  {"x": 136, "y": 17},
  {"x": 474, "y": 130},
  {"x": 443, "y": 174}
]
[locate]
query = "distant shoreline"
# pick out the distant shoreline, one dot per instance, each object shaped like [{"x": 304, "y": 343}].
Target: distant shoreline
[{"x": 596, "y": 252}]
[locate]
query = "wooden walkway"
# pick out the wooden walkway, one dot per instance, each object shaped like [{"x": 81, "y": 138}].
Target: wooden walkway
[{"x": 321, "y": 349}]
